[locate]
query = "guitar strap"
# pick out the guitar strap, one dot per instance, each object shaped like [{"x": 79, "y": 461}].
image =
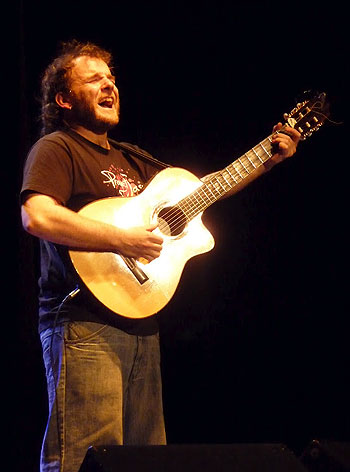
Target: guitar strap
[{"x": 136, "y": 151}]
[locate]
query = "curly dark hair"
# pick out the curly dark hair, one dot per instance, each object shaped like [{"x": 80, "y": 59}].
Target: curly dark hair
[{"x": 56, "y": 79}]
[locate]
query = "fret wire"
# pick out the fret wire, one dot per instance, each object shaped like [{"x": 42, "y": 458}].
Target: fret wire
[
  {"x": 228, "y": 183},
  {"x": 209, "y": 198},
  {"x": 257, "y": 155},
  {"x": 220, "y": 183},
  {"x": 194, "y": 208},
  {"x": 184, "y": 207},
  {"x": 237, "y": 170},
  {"x": 199, "y": 193},
  {"x": 268, "y": 144},
  {"x": 210, "y": 191},
  {"x": 267, "y": 152},
  {"x": 241, "y": 162},
  {"x": 253, "y": 157},
  {"x": 215, "y": 183},
  {"x": 252, "y": 163},
  {"x": 195, "y": 195},
  {"x": 191, "y": 201},
  {"x": 232, "y": 176},
  {"x": 209, "y": 186},
  {"x": 257, "y": 150},
  {"x": 201, "y": 205},
  {"x": 206, "y": 200},
  {"x": 215, "y": 189},
  {"x": 267, "y": 141}
]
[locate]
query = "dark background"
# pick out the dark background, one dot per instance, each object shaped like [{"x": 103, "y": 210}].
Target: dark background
[{"x": 255, "y": 343}]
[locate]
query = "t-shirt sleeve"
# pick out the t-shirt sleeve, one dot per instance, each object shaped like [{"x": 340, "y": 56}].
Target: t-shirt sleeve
[{"x": 48, "y": 170}]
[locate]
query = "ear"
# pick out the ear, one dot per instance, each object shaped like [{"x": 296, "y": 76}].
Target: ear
[{"x": 62, "y": 101}]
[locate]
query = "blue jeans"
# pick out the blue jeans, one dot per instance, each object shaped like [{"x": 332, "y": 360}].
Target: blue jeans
[{"x": 108, "y": 392}]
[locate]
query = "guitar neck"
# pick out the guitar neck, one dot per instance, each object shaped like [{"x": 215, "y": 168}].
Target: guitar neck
[{"x": 226, "y": 179}]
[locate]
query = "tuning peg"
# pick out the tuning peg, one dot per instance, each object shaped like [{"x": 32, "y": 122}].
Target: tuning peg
[{"x": 291, "y": 122}]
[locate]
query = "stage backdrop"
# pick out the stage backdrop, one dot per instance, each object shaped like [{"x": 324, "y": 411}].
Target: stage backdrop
[{"x": 254, "y": 341}]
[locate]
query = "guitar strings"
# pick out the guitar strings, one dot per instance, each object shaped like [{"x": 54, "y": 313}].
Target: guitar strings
[
  {"x": 191, "y": 206},
  {"x": 220, "y": 189}
]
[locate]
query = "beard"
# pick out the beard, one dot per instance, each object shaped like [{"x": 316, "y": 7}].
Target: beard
[{"x": 84, "y": 114}]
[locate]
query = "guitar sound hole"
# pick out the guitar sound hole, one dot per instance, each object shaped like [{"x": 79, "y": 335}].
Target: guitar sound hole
[{"x": 172, "y": 221}]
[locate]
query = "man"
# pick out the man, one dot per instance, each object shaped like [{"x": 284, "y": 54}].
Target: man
[{"x": 103, "y": 371}]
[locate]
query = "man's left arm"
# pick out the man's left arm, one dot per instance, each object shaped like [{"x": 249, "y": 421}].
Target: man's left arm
[{"x": 285, "y": 143}]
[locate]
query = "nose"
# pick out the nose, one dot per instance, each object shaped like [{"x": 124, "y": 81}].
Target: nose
[{"x": 109, "y": 84}]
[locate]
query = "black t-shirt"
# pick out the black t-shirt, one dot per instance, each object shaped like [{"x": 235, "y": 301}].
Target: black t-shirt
[{"x": 75, "y": 171}]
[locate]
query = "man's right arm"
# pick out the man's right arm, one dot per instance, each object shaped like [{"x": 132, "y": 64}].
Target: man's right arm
[{"x": 44, "y": 217}]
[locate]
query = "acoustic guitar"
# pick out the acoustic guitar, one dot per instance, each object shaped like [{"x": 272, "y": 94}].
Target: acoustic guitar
[{"x": 176, "y": 200}]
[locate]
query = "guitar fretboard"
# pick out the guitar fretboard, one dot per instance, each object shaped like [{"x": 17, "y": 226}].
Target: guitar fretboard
[{"x": 226, "y": 179}]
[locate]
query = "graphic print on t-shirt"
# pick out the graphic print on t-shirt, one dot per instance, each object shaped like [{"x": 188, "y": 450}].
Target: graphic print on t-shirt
[{"x": 124, "y": 185}]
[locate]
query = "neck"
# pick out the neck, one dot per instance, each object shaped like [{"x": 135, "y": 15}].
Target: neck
[
  {"x": 225, "y": 180},
  {"x": 99, "y": 139}
]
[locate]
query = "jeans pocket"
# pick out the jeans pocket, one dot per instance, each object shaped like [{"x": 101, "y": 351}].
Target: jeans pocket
[{"x": 80, "y": 331}]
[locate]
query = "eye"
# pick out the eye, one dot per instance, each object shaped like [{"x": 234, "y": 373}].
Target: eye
[{"x": 93, "y": 80}]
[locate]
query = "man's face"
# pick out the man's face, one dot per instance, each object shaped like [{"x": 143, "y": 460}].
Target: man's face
[{"x": 94, "y": 96}]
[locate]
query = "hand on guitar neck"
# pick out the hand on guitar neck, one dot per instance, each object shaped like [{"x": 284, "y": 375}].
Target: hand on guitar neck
[{"x": 284, "y": 142}]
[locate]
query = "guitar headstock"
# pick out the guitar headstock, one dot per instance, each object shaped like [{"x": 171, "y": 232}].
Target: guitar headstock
[{"x": 309, "y": 115}]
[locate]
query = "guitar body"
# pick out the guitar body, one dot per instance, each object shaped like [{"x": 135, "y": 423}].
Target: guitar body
[{"x": 107, "y": 275}]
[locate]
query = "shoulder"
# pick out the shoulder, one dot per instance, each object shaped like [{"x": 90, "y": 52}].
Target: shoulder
[
  {"x": 49, "y": 152},
  {"x": 55, "y": 140}
]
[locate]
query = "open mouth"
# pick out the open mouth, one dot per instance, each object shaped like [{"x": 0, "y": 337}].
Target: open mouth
[{"x": 106, "y": 103}]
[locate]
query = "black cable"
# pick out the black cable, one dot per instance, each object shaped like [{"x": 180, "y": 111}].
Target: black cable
[{"x": 71, "y": 295}]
